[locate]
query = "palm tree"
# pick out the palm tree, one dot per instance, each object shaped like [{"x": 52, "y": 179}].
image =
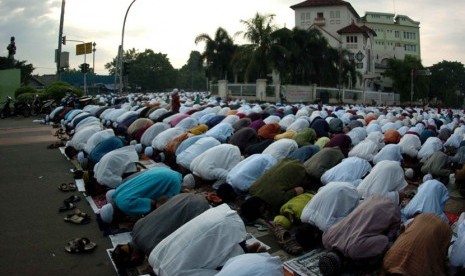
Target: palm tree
[
  {"x": 218, "y": 53},
  {"x": 258, "y": 33}
]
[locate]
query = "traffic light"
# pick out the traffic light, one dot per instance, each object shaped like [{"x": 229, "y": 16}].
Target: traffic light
[
  {"x": 126, "y": 68},
  {"x": 63, "y": 40},
  {"x": 84, "y": 67}
]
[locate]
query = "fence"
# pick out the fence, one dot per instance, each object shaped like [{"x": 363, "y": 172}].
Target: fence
[{"x": 302, "y": 94}]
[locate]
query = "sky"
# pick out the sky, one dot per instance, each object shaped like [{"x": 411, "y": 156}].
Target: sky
[{"x": 170, "y": 27}]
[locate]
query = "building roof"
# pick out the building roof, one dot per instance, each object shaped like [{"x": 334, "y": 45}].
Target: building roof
[
  {"x": 324, "y": 3},
  {"x": 354, "y": 29}
]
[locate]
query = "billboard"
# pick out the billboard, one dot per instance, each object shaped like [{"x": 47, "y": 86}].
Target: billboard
[{"x": 84, "y": 48}]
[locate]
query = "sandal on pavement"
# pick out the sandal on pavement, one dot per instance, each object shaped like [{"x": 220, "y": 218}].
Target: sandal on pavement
[
  {"x": 80, "y": 245},
  {"x": 68, "y": 206},
  {"x": 63, "y": 187},
  {"x": 67, "y": 187},
  {"x": 80, "y": 218},
  {"x": 71, "y": 199}
]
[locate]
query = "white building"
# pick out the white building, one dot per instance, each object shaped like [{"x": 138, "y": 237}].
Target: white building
[{"x": 371, "y": 40}]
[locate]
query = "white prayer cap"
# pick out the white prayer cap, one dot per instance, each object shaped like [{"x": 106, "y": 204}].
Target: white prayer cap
[
  {"x": 188, "y": 181},
  {"x": 174, "y": 92},
  {"x": 106, "y": 213},
  {"x": 409, "y": 173},
  {"x": 109, "y": 195},
  {"x": 148, "y": 151},
  {"x": 133, "y": 142},
  {"x": 138, "y": 148},
  {"x": 427, "y": 177},
  {"x": 80, "y": 157}
]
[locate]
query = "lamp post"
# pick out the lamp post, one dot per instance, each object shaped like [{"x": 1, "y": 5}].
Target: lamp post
[
  {"x": 93, "y": 63},
  {"x": 121, "y": 50}
]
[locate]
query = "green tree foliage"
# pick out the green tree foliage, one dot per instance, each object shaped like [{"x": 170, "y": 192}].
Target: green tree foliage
[
  {"x": 258, "y": 32},
  {"x": 448, "y": 83},
  {"x": 25, "y": 89},
  {"x": 58, "y": 89},
  {"x": 152, "y": 72},
  {"x": 192, "y": 75},
  {"x": 217, "y": 54},
  {"x": 400, "y": 71}
]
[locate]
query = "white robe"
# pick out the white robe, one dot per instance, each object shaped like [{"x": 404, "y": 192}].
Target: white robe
[
  {"x": 162, "y": 139},
  {"x": 152, "y": 132},
  {"x": 201, "y": 245},
  {"x": 109, "y": 170},
  {"x": 331, "y": 203},
  {"x": 389, "y": 152},
  {"x": 351, "y": 169},
  {"x": 256, "y": 264},
  {"x": 97, "y": 138},
  {"x": 366, "y": 149},
  {"x": 410, "y": 145},
  {"x": 216, "y": 162},
  {"x": 431, "y": 145},
  {"x": 281, "y": 148},
  {"x": 80, "y": 138},
  {"x": 246, "y": 172},
  {"x": 385, "y": 179},
  {"x": 222, "y": 132},
  {"x": 184, "y": 159},
  {"x": 431, "y": 198}
]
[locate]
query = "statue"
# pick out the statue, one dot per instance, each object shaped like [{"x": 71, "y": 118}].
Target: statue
[{"x": 11, "y": 48}]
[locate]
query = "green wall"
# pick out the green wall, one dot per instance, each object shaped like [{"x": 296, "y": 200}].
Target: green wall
[{"x": 10, "y": 80}]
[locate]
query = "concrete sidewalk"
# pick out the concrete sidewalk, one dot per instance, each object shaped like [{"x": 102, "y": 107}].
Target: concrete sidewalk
[{"x": 34, "y": 233}]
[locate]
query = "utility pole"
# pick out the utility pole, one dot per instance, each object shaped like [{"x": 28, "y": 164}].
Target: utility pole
[
  {"x": 60, "y": 38},
  {"x": 121, "y": 50}
]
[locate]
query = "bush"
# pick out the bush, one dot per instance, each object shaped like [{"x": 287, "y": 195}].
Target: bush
[
  {"x": 25, "y": 90},
  {"x": 57, "y": 90},
  {"x": 26, "y": 97}
]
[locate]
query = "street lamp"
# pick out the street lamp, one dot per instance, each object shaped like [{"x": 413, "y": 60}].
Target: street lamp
[{"x": 121, "y": 51}]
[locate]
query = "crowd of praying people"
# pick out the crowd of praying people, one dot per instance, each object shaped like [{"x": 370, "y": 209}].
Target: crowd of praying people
[{"x": 368, "y": 184}]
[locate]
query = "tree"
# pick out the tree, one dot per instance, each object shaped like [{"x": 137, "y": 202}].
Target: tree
[
  {"x": 448, "y": 82},
  {"x": 192, "y": 75},
  {"x": 152, "y": 71},
  {"x": 400, "y": 71},
  {"x": 128, "y": 56},
  {"x": 217, "y": 54},
  {"x": 258, "y": 33}
]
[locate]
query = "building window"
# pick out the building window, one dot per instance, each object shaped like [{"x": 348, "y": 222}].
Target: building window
[
  {"x": 334, "y": 14},
  {"x": 396, "y": 34},
  {"x": 351, "y": 39},
  {"x": 319, "y": 15},
  {"x": 305, "y": 19}
]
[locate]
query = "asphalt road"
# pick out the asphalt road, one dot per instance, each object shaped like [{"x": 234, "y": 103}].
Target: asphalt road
[{"x": 33, "y": 232}]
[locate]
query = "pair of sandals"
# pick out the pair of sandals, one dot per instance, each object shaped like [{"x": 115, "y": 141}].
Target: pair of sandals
[
  {"x": 67, "y": 187},
  {"x": 286, "y": 241},
  {"x": 78, "y": 217},
  {"x": 68, "y": 203},
  {"x": 80, "y": 245}
]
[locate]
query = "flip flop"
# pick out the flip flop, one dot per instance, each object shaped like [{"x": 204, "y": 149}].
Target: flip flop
[
  {"x": 72, "y": 186},
  {"x": 80, "y": 245},
  {"x": 71, "y": 199},
  {"x": 81, "y": 218},
  {"x": 68, "y": 206},
  {"x": 63, "y": 187}
]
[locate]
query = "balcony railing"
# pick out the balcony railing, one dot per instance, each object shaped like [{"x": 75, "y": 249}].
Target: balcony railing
[{"x": 320, "y": 21}]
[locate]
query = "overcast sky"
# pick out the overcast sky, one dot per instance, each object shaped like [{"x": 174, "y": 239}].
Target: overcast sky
[{"x": 170, "y": 27}]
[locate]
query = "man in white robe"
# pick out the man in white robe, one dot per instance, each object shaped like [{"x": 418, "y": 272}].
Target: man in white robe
[
  {"x": 201, "y": 245},
  {"x": 216, "y": 162},
  {"x": 246, "y": 172},
  {"x": 111, "y": 167}
]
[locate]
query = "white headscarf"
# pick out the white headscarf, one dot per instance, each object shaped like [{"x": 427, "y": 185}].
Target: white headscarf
[{"x": 385, "y": 179}]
